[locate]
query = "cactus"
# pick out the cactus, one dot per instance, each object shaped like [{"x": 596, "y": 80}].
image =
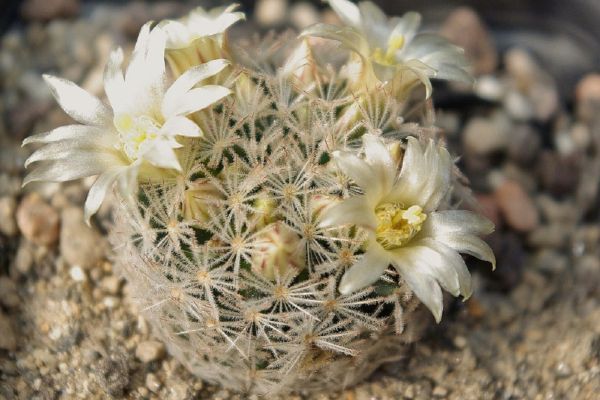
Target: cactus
[{"x": 279, "y": 225}]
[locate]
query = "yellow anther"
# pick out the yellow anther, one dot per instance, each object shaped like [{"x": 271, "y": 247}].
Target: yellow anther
[
  {"x": 397, "y": 225},
  {"x": 395, "y": 43}
]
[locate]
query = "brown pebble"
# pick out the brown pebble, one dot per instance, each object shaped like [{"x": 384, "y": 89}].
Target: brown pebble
[
  {"x": 8, "y": 340},
  {"x": 516, "y": 206},
  {"x": 79, "y": 244},
  {"x": 8, "y": 225},
  {"x": 587, "y": 94},
  {"x": 150, "y": 350},
  {"x": 37, "y": 220},
  {"x": 464, "y": 28}
]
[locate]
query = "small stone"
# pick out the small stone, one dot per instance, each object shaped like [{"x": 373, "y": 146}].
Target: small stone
[
  {"x": 439, "y": 391},
  {"x": 111, "y": 284},
  {"x": 587, "y": 95},
  {"x": 563, "y": 370},
  {"x": 460, "y": 342},
  {"x": 46, "y": 10},
  {"x": 303, "y": 15},
  {"x": 150, "y": 350},
  {"x": 37, "y": 220},
  {"x": 464, "y": 28},
  {"x": 153, "y": 383},
  {"x": 516, "y": 206},
  {"x": 553, "y": 235},
  {"x": 8, "y": 340},
  {"x": 8, "y": 224},
  {"x": 558, "y": 174},
  {"x": 488, "y": 87},
  {"x": 77, "y": 274},
  {"x": 484, "y": 136},
  {"x": 113, "y": 374},
  {"x": 518, "y": 106},
  {"x": 550, "y": 260},
  {"x": 270, "y": 13},
  {"x": 8, "y": 292},
  {"x": 25, "y": 257},
  {"x": 80, "y": 244},
  {"x": 524, "y": 144},
  {"x": 486, "y": 205}
]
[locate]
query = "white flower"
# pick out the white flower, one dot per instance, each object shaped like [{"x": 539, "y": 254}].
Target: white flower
[
  {"x": 405, "y": 230},
  {"x": 199, "y": 37},
  {"x": 136, "y": 135},
  {"x": 389, "y": 50}
]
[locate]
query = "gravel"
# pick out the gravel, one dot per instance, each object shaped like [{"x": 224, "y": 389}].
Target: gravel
[{"x": 68, "y": 325}]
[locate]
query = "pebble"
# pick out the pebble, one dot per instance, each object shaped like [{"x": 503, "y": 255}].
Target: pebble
[
  {"x": 80, "y": 244},
  {"x": 484, "y": 136},
  {"x": 8, "y": 224},
  {"x": 269, "y": 13},
  {"x": 150, "y": 350},
  {"x": 77, "y": 274},
  {"x": 587, "y": 96},
  {"x": 558, "y": 174},
  {"x": 439, "y": 391},
  {"x": 516, "y": 206},
  {"x": 303, "y": 15},
  {"x": 464, "y": 28},
  {"x": 152, "y": 382},
  {"x": 562, "y": 370},
  {"x": 25, "y": 257},
  {"x": 524, "y": 144},
  {"x": 46, "y": 10},
  {"x": 113, "y": 373},
  {"x": 37, "y": 220},
  {"x": 8, "y": 292},
  {"x": 552, "y": 235},
  {"x": 111, "y": 284},
  {"x": 8, "y": 340}
]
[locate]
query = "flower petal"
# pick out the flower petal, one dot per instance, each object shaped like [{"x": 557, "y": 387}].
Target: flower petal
[
  {"x": 75, "y": 167},
  {"x": 187, "y": 81},
  {"x": 180, "y": 126},
  {"x": 454, "y": 222},
  {"x": 366, "y": 271},
  {"x": 347, "y": 11},
  {"x": 412, "y": 174},
  {"x": 430, "y": 262},
  {"x": 357, "y": 169},
  {"x": 354, "y": 210},
  {"x": 114, "y": 82},
  {"x": 98, "y": 191},
  {"x": 196, "y": 100},
  {"x": 348, "y": 37},
  {"x": 454, "y": 261},
  {"x": 424, "y": 286},
  {"x": 378, "y": 156},
  {"x": 79, "y": 104},
  {"x": 162, "y": 155},
  {"x": 469, "y": 244},
  {"x": 437, "y": 183},
  {"x": 68, "y": 132}
]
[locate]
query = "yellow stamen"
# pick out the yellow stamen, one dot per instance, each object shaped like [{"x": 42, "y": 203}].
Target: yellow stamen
[
  {"x": 397, "y": 225},
  {"x": 135, "y": 132},
  {"x": 395, "y": 43}
]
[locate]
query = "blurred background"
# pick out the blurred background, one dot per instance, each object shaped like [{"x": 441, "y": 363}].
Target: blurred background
[{"x": 526, "y": 136}]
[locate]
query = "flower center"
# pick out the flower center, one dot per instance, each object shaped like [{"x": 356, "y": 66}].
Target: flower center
[
  {"x": 136, "y": 133},
  {"x": 397, "y": 225},
  {"x": 388, "y": 57}
]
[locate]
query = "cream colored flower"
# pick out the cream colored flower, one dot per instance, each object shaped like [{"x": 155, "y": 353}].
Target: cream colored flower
[
  {"x": 405, "y": 230},
  {"x": 389, "y": 51},
  {"x": 199, "y": 37},
  {"x": 136, "y": 135}
]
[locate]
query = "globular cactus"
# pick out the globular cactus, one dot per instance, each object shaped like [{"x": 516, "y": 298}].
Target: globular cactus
[{"x": 279, "y": 224}]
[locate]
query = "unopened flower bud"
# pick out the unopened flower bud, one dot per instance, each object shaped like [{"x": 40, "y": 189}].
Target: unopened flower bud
[
  {"x": 197, "y": 200},
  {"x": 278, "y": 251}
]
